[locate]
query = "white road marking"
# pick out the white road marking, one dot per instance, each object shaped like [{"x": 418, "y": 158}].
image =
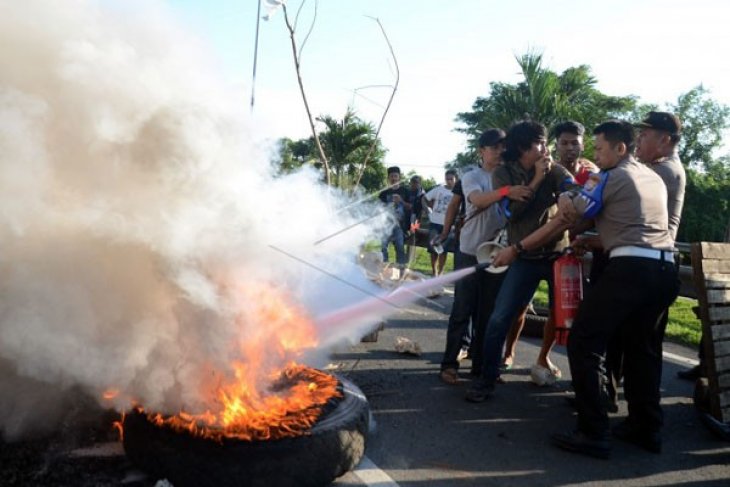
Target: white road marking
[
  {"x": 680, "y": 359},
  {"x": 372, "y": 476}
]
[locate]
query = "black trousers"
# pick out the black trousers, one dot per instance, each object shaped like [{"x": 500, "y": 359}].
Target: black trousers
[
  {"x": 628, "y": 301},
  {"x": 474, "y": 297}
]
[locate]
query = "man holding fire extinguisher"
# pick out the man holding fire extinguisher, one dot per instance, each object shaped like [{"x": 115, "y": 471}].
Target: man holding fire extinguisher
[
  {"x": 628, "y": 203},
  {"x": 656, "y": 146}
]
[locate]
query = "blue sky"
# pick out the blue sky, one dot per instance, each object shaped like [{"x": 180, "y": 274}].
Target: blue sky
[{"x": 448, "y": 53}]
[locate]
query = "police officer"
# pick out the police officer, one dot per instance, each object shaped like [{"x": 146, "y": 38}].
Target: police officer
[
  {"x": 656, "y": 146},
  {"x": 629, "y": 204}
]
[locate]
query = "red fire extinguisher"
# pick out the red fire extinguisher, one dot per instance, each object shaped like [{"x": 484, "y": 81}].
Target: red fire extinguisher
[{"x": 567, "y": 293}]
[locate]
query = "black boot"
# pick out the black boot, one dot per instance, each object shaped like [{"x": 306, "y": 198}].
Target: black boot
[
  {"x": 691, "y": 374},
  {"x": 648, "y": 440},
  {"x": 578, "y": 442}
]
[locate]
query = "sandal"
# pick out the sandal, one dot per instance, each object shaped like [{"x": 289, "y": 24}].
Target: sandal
[
  {"x": 449, "y": 376},
  {"x": 556, "y": 371}
]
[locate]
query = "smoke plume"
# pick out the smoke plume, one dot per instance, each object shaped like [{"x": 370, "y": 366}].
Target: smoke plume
[{"x": 138, "y": 208}]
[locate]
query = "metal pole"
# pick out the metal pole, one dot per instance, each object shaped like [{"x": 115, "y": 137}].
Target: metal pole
[{"x": 255, "y": 54}]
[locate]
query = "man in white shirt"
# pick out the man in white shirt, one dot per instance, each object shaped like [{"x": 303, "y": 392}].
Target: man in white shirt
[
  {"x": 438, "y": 199},
  {"x": 475, "y": 293}
]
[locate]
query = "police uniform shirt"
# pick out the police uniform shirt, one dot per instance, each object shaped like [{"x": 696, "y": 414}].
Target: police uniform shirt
[
  {"x": 629, "y": 204},
  {"x": 671, "y": 171}
]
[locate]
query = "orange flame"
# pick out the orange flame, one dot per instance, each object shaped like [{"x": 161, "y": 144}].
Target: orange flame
[
  {"x": 248, "y": 415},
  {"x": 110, "y": 394},
  {"x": 240, "y": 407},
  {"x": 119, "y": 426}
]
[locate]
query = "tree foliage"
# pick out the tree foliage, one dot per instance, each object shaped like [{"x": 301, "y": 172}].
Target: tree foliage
[
  {"x": 706, "y": 211},
  {"x": 346, "y": 142},
  {"x": 294, "y": 154},
  {"x": 704, "y": 121},
  {"x": 542, "y": 95},
  {"x": 706, "y": 208}
]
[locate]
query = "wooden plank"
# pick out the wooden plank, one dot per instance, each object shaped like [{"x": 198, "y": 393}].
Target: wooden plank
[
  {"x": 724, "y": 399},
  {"x": 718, "y": 367},
  {"x": 722, "y": 364},
  {"x": 712, "y": 250},
  {"x": 699, "y": 278},
  {"x": 720, "y": 348},
  {"x": 719, "y": 313},
  {"x": 718, "y": 296},
  {"x": 725, "y": 415},
  {"x": 717, "y": 281},
  {"x": 715, "y": 265},
  {"x": 720, "y": 332}
]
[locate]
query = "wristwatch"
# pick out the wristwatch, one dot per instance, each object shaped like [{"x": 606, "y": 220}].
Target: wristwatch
[{"x": 520, "y": 248}]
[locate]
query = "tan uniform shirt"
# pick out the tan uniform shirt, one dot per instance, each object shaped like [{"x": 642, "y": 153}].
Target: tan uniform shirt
[
  {"x": 671, "y": 171},
  {"x": 629, "y": 204}
]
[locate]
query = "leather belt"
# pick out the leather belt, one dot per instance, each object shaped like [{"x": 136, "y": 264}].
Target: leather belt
[{"x": 633, "y": 251}]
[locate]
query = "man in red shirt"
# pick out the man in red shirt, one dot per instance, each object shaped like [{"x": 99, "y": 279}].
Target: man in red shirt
[{"x": 569, "y": 144}]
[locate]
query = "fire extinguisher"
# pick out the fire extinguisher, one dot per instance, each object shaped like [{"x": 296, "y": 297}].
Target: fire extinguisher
[{"x": 567, "y": 293}]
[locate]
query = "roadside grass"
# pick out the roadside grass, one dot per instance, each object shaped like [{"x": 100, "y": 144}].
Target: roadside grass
[
  {"x": 683, "y": 326},
  {"x": 421, "y": 258}
]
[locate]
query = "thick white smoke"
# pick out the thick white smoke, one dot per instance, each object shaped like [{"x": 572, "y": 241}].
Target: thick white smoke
[{"x": 137, "y": 204}]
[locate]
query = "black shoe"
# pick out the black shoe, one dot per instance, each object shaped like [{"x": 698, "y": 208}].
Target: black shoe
[
  {"x": 648, "y": 440},
  {"x": 578, "y": 442},
  {"x": 479, "y": 392},
  {"x": 691, "y": 374}
]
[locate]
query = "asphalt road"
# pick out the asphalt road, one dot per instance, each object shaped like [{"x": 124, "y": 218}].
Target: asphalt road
[
  {"x": 424, "y": 433},
  {"x": 427, "y": 435}
]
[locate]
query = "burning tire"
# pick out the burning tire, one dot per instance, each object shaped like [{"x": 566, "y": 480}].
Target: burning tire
[{"x": 334, "y": 445}]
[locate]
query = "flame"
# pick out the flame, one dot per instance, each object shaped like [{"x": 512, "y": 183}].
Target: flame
[
  {"x": 265, "y": 394},
  {"x": 119, "y": 426},
  {"x": 110, "y": 394},
  {"x": 249, "y": 415}
]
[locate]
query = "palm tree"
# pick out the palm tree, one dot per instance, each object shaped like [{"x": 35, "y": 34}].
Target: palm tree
[
  {"x": 543, "y": 96},
  {"x": 346, "y": 143}
]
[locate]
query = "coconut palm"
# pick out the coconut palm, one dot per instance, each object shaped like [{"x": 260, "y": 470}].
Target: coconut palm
[
  {"x": 346, "y": 142},
  {"x": 543, "y": 96}
]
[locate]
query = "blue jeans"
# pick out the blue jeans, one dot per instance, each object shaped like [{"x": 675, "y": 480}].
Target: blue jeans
[
  {"x": 397, "y": 237},
  {"x": 434, "y": 230},
  {"x": 520, "y": 284}
]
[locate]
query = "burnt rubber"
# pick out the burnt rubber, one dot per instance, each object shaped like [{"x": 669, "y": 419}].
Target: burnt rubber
[{"x": 334, "y": 446}]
